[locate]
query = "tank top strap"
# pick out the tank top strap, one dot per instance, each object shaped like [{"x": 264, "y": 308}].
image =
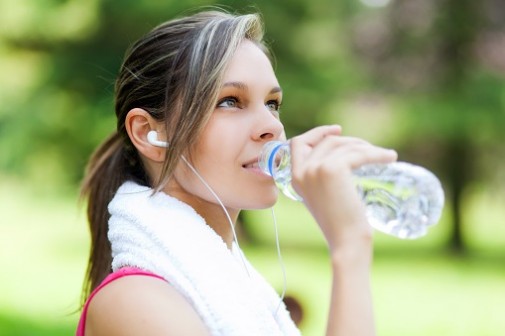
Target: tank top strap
[{"x": 122, "y": 272}]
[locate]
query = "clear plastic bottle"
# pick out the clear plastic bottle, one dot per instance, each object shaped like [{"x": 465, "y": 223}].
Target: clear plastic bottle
[{"x": 401, "y": 199}]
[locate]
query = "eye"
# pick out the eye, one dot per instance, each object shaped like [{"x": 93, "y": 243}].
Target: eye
[
  {"x": 273, "y": 105},
  {"x": 228, "y": 102}
]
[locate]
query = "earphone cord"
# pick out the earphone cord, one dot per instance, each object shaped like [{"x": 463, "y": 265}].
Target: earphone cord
[
  {"x": 224, "y": 209},
  {"x": 281, "y": 263},
  {"x": 279, "y": 256}
]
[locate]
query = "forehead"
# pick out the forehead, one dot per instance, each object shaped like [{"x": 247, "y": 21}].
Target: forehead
[{"x": 250, "y": 63}]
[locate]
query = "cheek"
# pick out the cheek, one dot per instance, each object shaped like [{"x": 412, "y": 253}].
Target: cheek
[
  {"x": 216, "y": 159},
  {"x": 232, "y": 188},
  {"x": 209, "y": 169},
  {"x": 222, "y": 138}
]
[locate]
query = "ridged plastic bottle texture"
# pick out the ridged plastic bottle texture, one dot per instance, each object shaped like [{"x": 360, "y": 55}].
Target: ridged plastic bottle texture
[{"x": 401, "y": 199}]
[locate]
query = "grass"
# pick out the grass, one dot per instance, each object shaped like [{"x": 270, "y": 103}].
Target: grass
[
  {"x": 42, "y": 257},
  {"x": 414, "y": 294},
  {"x": 418, "y": 288}
]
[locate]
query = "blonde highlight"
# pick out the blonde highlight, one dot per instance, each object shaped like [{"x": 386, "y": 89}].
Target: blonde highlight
[{"x": 174, "y": 73}]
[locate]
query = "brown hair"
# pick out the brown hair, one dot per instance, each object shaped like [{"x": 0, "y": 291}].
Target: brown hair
[{"x": 174, "y": 73}]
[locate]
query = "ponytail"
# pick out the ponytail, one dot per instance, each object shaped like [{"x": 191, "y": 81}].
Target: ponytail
[
  {"x": 108, "y": 168},
  {"x": 175, "y": 73}
]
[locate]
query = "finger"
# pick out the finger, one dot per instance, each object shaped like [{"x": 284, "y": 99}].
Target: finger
[
  {"x": 332, "y": 143},
  {"x": 331, "y": 146},
  {"x": 355, "y": 155},
  {"x": 302, "y": 145},
  {"x": 315, "y": 135}
]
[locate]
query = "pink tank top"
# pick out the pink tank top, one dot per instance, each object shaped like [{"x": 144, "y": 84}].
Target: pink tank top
[{"x": 125, "y": 271}]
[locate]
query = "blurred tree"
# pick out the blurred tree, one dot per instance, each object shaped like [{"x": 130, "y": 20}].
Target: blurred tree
[
  {"x": 423, "y": 76},
  {"x": 74, "y": 49},
  {"x": 444, "y": 60},
  {"x": 64, "y": 100}
]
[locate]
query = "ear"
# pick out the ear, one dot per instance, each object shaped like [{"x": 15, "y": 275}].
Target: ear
[{"x": 138, "y": 123}]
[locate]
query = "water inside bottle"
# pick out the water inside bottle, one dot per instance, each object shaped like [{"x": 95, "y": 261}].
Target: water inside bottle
[
  {"x": 401, "y": 199},
  {"x": 279, "y": 166}
]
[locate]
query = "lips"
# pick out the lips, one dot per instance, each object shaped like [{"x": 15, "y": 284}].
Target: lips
[{"x": 251, "y": 164}]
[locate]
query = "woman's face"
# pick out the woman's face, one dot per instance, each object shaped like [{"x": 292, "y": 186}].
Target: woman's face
[{"x": 226, "y": 155}]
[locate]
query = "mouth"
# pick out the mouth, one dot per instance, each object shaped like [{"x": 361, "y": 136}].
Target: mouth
[{"x": 252, "y": 164}]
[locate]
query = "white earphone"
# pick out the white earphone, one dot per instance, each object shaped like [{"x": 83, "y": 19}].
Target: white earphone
[{"x": 152, "y": 138}]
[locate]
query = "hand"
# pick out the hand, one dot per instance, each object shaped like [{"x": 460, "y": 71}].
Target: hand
[{"x": 322, "y": 163}]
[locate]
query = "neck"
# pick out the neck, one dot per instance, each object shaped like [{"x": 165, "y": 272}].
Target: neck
[
  {"x": 213, "y": 214},
  {"x": 216, "y": 218}
]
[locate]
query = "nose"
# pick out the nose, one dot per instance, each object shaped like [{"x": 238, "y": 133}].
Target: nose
[{"x": 269, "y": 127}]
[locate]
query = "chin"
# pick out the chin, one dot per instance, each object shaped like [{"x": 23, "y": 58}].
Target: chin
[{"x": 264, "y": 201}]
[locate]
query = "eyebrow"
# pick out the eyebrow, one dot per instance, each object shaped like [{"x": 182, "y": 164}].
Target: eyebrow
[{"x": 244, "y": 87}]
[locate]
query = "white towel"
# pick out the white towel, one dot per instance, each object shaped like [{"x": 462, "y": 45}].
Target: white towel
[{"x": 163, "y": 235}]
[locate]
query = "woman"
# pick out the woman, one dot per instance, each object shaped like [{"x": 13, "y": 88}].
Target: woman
[{"x": 196, "y": 100}]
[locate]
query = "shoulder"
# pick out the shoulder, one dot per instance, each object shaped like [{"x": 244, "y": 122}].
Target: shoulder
[{"x": 141, "y": 305}]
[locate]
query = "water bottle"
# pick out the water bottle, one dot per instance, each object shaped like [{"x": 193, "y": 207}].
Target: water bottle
[{"x": 402, "y": 199}]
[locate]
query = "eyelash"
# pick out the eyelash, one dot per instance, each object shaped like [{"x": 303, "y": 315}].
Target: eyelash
[
  {"x": 236, "y": 101},
  {"x": 277, "y": 105},
  {"x": 227, "y": 99}
]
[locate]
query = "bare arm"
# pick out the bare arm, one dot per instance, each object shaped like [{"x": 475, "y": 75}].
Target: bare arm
[
  {"x": 351, "y": 299},
  {"x": 140, "y": 305},
  {"x": 322, "y": 164}
]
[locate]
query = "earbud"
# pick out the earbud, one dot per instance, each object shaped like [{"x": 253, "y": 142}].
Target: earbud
[{"x": 152, "y": 138}]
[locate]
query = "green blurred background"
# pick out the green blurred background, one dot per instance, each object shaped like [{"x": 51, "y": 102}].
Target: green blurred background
[{"x": 424, "y": 77}]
